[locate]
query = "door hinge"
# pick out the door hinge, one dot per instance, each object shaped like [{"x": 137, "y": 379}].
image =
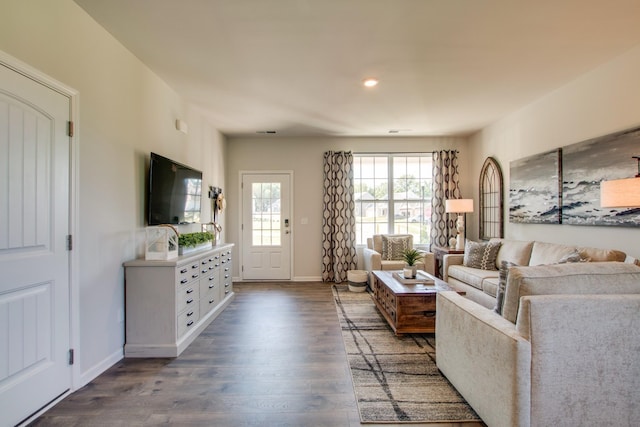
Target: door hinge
[
  {"x": 69, "y": 242},
  {"x": 71, "y": 356},
  {"x": 70, "y": 128}
]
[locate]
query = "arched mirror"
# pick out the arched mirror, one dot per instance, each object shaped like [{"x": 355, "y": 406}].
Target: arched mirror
[{"x": 491, "y": 205}]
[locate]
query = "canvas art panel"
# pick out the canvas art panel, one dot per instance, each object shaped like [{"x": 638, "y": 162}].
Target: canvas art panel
[
  {"x": 534, "y": 192},
  {"x": 585, "y": 165}
]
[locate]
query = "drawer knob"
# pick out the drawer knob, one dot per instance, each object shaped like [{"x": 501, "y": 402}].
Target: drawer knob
[
  {"x": 190, "y": 323},
  {"x": 211, "y": 301},
  {"x": 189, "y": 314},
  {"x": 190, "y": 290},
  {"x": 211, "y": 278},
  {"x": 183, "y": 281},
  {"x": 226, "y": 292},
  {"x": 211, "y": 286},
  {"x": 190, "y": 300},
  {"x": 194, "y": 266},
  {"x": 184, "y": 270},
  {"x": 194, "y": 276}
]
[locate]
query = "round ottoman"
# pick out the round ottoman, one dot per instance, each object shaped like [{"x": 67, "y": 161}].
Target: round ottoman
[{"x": 357, "y": 280}]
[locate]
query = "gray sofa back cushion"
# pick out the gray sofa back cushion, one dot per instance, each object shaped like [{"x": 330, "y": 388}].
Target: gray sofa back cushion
[
  {"x": 514, "y": 251},
  {"x": 573, "y": 278}
]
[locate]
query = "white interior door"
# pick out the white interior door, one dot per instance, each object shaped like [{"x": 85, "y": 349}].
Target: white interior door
[
  {"x": 34, "y": 260},
  {"x": 266, "y": 226}
]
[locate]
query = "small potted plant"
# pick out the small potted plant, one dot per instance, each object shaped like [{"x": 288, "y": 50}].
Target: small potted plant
[{"x": 410, "y": 257}]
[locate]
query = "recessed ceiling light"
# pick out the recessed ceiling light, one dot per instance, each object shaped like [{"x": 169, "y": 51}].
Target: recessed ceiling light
[{"x": 370, "y": 82}]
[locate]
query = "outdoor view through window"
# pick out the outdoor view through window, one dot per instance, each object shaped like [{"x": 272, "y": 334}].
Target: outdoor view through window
[{"x": 392, "y": 195}]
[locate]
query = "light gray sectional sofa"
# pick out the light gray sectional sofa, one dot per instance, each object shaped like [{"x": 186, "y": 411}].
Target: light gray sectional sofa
[
  {"x": 564, "y": 351},
  {"x": 481, "y": 285}
]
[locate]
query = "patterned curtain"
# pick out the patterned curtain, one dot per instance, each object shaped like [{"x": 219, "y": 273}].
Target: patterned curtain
[
  {"x": 445, "y": 186},
  {"x": 338, "y": 220}
]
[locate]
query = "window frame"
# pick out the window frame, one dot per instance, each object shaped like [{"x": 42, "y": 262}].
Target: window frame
[
  {"x": 392, "y": 219},
  {"x": 491, "y": 191}
]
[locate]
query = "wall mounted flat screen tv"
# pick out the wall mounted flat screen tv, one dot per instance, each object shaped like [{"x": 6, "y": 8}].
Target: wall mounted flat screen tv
[{"x": 174, "y": 192}]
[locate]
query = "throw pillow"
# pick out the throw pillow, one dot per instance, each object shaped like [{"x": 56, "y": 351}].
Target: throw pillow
[
  {"x": 572, "y": 257},
  {"x": 393, "y": 247},
  {"x": 481, "y": 255},
  {"x": 502, "y": 285}
]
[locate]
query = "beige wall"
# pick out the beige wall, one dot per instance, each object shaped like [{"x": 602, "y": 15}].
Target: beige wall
[
  {"x": 125, "y": 111},
  {"x": 304, "y": 156},
  {"x": 605, "y": 100}
]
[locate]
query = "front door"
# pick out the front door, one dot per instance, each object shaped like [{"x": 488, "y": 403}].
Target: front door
[
  {"x": 266, "y": 226},
  {"x": 34, "y": 260}
]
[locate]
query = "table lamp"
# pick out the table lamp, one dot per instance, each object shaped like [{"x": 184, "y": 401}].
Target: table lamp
[
  {"x": 459, "y": 206},
  {"x": 621, "y": 193}
]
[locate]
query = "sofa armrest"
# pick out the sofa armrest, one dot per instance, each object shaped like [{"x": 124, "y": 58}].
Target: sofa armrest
[
  {"x": 450, "y": 259},
  {"x": 485, "y": 359},
  {"x": 372, "y": 259},
  {"x": 429, "y": 262},
  {"x": 579, "y": 344}
]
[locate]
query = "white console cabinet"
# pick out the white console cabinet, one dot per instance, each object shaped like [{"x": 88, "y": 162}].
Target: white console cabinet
[{"x": 169, "y": 303}]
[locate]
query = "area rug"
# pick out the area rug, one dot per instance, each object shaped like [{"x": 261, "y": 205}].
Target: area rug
[{"x": 395, "y": 379}]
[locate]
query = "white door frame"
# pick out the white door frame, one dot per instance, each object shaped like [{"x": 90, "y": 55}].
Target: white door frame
[
  {"x": 290, "y": 213},
  {"x": 74, "y": 288}
]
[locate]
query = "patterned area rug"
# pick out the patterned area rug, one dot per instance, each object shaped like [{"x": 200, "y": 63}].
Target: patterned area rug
[{"x": 395, "y": 378}]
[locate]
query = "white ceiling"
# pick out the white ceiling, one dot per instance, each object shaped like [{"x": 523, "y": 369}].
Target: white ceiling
[{"x": 446, "y": 67}]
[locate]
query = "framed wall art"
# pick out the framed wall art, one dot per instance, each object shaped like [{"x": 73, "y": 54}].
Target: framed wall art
[
  {"x": 535, "y": 195},
  {"x": 585, "y": 165}
]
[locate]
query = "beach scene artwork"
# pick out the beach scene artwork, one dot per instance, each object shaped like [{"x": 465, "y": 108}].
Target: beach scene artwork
[
  {"x": 534, "y": 193},
  {"x": 585, "y": 165}
]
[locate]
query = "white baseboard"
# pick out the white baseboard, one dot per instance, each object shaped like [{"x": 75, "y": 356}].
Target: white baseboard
[{"x": 92, "y": 373}]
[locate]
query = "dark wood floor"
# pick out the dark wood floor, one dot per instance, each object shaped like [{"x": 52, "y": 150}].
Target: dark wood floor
[{"x": 274, "y": 357}]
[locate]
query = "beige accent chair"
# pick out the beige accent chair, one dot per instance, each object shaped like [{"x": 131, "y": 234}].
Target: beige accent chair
[{"x": 373, "y": 260}]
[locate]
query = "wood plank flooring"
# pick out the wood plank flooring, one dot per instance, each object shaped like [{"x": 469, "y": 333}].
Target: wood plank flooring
[{"x": 274, "y": 357}]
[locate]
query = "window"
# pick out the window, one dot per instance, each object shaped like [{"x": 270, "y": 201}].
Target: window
[
  {"x": 392, "y": 194},
  {"x": 265, "y": 198},
  {"x": 491, "y": 209}
]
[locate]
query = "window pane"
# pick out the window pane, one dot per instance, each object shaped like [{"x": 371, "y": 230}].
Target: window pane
[{"x": 266, "y": 213}]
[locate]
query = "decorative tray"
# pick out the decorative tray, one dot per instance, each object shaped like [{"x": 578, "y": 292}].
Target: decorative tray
[{"x": 421, "y": 278}]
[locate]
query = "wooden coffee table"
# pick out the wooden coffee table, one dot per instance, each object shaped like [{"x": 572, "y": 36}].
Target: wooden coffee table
[{"x": 407, "y": 307}]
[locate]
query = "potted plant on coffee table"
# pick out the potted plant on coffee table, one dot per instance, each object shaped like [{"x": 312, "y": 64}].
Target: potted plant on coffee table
[{"x": 410, "y": 257}]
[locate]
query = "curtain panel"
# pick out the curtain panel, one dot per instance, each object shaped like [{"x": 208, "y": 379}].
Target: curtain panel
[
  {"x": 338, "y": 219},
  {"x": 446, "y": 185}
]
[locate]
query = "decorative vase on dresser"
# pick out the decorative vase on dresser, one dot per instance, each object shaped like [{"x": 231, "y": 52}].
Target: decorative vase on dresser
[{"x": 169, "y": 303}]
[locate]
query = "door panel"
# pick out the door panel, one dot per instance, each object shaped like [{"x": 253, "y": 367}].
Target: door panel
[
  {"x": 34, "y": 261},
  {"x": 266, "y": 229}
]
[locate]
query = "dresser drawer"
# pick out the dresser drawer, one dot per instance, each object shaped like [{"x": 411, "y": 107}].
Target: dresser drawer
[
  {"x": 209, "y": 283},
  {"x": 188, "y": 319},
  {"x": 187, "y": 273},
  {"x": 208, "y": 302},
  {"x": 187, "y": 296}
]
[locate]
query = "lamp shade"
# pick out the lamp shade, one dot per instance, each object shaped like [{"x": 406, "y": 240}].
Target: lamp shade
[
  {"x": 458, "y": 205},
  {"x": 620, "y": 193}
]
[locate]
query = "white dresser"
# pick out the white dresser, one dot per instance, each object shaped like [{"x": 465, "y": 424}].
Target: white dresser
[{"x": 169, "y": 303}]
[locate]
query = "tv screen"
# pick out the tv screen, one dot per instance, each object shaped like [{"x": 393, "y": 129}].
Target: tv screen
[{"x": 174, "y": 192}]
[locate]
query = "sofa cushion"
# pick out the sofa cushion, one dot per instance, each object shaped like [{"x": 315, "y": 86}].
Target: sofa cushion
[
  {"x": 471, "y": 276},
  {"x": 573, "y": 278},
  {"x": 490, "y": 286},
  {"x": 394, "y": 245},
  {"x": 481, "y": 255},
  {"x": 515, "y": 251},
  {"x": 549, "y": 253}
]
